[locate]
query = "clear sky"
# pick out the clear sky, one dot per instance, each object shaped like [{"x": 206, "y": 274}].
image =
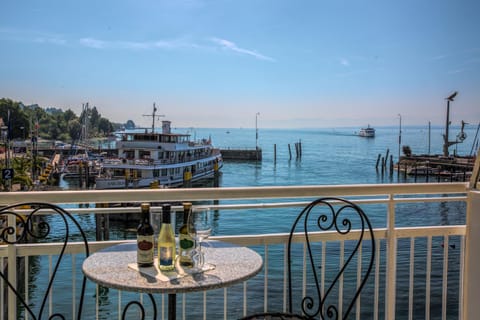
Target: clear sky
[{"x": 318, "y": 63}]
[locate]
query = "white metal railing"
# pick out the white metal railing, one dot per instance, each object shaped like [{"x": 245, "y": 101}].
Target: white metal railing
[{"x": 401, "y": 249}]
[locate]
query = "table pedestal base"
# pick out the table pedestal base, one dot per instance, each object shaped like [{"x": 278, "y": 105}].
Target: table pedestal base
[{"x": 172, "y": 306}]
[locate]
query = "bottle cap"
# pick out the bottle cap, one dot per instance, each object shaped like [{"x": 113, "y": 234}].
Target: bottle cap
[
  {"x": 187, "y": 204},
  {"x": 145, "y": 206}
]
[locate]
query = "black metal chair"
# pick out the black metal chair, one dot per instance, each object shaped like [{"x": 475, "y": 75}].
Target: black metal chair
[
  {"x": 31, "y": 226},
  {"x": 350, "y": 223}
]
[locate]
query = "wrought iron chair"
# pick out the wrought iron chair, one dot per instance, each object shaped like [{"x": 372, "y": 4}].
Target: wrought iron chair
[
  {"x": 32, "y": 226},
  {"x": 350, "y": 223}
]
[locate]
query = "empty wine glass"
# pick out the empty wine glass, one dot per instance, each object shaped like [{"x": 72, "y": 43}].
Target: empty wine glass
[{"x": 199, "y": 227}]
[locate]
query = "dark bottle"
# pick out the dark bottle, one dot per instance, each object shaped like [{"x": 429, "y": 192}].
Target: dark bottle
[
  {"x": 185, "y": 240},
  {"x": 145, "y": 242}
]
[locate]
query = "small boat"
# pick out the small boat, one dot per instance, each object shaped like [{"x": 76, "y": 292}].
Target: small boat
[
  {"x": 368, "y": 132},
  {"x": 76, "y": 166},
  {"x": 158, "y": 160}
]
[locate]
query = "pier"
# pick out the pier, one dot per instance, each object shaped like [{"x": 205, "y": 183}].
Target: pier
[{"x": 242, "y": 154}]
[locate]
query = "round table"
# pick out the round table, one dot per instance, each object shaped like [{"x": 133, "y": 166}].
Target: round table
[{"x": 233, "y": 264}]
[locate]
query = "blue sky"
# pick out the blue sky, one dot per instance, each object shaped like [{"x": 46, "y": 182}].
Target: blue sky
[{"x": 323, "y": 63}]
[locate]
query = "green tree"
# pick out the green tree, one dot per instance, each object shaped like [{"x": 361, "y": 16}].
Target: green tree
[
  {"x": 130, "y": 124},
  {"x": 95, "y": 118},
  {"x": 22, "y": 167},
  {"x": 14, "y": 117},
  {"x": 105, "y": 126},
  {"x": 69, "y": 115},
  {"x": 74, "y": 129}
]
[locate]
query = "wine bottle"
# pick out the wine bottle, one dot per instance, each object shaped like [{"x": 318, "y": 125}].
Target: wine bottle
[
  {"x": 145, "y": 238},
  {"x": 166, "y": 241},
  {"x": 185, "y": 240}
]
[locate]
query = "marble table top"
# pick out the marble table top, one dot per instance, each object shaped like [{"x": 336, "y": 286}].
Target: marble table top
[{"x": 233, "y": 264}]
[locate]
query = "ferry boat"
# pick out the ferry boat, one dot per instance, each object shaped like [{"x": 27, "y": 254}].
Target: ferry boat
[
  {"x": 368, "y": 132},
  {"x": 158, "y": 160}
]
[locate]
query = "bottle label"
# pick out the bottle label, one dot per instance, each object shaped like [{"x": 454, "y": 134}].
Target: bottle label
[
  {"x": 145, "y": 249},
  {"x": 165, "y": 256},
  {"x": 186, "y": 242}
]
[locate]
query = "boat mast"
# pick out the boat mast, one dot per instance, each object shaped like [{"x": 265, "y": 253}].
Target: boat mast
[{"x": 153, "y": 115}]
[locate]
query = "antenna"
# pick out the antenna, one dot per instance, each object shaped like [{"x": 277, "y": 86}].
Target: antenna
[{"x": 153, "y": 115}]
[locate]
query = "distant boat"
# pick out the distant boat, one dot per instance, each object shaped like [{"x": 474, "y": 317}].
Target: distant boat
[{"x": 367, "y": 132}]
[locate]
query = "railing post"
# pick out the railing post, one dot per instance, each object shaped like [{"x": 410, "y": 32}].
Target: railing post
[
  {"x": 471, "y": 279},
  {"x": 391, "y": 275},
  {"x": 12, "y": 269}
]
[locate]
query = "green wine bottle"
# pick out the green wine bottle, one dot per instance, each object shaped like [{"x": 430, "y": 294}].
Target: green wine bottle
[{"x": 186, "y": 242}]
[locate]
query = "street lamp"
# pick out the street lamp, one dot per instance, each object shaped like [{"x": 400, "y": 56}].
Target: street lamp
[
  {"x": 399, "y": 136},
  {"x": 4, "y": 130},
  {"x": 447, "y": 143},
  {"x": 256, "y": 130}
]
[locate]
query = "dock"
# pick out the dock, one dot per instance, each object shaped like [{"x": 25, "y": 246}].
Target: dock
[{"x": 242, "y": 154}]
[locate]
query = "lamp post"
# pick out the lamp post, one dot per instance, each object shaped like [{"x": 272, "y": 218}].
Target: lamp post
[
  {"x": 447, "y": 143},
  {"x": 399, "y": 136},
  {"x": 4, "y": 130},
  {"x": 256, "y": 130}
]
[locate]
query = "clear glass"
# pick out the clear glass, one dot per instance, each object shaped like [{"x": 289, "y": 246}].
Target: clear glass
[
  {"x": 199, "y": 227},
  {"x": 155, "y": 221}
]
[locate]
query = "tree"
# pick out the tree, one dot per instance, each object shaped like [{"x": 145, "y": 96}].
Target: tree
[
  {"x": 130, "y": 124},
  {"x": 74, "y": 129},
  {"x": 69, "y": 115},
  {"x": 95, "y": 119},
  {"x": 14, "y": 117},
  {"x": 105, "y": 126}
]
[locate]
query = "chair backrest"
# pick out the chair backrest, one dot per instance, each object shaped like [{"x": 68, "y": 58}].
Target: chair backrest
[
  {"x": 348, "y": 222},
  {"x": 32, "y": 225}
]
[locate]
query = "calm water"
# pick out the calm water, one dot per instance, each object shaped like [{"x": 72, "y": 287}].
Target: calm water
[{"x": 329, "y": 157}]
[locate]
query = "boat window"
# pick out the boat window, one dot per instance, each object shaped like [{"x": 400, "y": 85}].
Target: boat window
[{"x": 144, "y": 154}]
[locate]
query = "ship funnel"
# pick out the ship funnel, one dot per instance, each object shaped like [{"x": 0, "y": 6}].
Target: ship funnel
[{"x": 166, "y": 126}]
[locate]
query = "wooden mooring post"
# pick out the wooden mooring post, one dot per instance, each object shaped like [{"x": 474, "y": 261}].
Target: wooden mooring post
[{"x": 102, "y": 223}]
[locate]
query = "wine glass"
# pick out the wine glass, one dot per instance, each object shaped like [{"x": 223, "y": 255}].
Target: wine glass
[{"x": 199, "y": 227}]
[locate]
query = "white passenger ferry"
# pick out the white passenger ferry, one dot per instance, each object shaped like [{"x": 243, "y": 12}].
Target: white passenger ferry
[
  {"x": 163, "y": 159},
  {"x": 368, "y": 132}
]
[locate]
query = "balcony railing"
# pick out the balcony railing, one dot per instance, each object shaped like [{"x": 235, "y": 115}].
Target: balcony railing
[{"x": 426, "y": 265}]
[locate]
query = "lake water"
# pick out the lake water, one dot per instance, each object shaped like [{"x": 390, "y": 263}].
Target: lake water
[{"x": 329, "y": 157}]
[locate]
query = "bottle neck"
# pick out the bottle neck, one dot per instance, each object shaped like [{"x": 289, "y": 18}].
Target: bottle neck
[
  {"x": 166, "y": 217},
  {"x": 145, "y": 216},
  {"x": 186, "y": 213}
]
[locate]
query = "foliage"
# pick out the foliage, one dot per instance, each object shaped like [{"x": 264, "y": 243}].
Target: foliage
[
  {"x": 130, "y": 124},
  {"x": 52, "y": 123}
]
